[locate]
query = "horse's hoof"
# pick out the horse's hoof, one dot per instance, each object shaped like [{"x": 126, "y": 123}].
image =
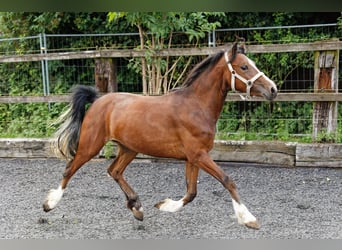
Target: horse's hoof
[
  {"x": 138, "y": 214},
  {"x": 52, "y": 199},
  {"x": 253, "y": 225},
  {"x": 46, "y": 207},
  {"x": 159, "y": 204}
]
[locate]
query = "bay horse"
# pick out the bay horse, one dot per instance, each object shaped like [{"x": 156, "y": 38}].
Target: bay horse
[{"x": 179, "y": 125}]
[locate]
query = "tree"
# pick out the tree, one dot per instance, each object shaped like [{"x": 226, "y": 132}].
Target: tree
[
  {"x": 20, "y": 24},
  {"x": 156, "y": 31}
]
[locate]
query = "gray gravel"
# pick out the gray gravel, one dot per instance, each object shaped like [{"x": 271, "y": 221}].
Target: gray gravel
[{"x": 289, "y": 203}]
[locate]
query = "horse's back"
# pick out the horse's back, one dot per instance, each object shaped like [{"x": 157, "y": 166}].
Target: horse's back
[
  {"x": 137, "y": 104},
  {"x": 145, "y": 124}
]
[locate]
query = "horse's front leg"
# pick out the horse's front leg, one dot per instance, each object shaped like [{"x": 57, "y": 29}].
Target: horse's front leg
[
  {"x": 191, "y": 174},
  {"x": 204, "y": 161}
]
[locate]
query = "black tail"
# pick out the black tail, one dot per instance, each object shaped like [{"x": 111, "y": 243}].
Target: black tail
[{"x": 69, "y": 133}]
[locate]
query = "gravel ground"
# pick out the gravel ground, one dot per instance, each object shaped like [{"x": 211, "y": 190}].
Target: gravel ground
[{"x": 296, "y": 203}]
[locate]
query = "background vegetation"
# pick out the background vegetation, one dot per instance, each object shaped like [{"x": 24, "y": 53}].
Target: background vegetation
[{"x": 157, "y": 75}]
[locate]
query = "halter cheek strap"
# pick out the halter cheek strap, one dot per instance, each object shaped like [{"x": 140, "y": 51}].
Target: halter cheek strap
[{"x": 249, "y": 83}]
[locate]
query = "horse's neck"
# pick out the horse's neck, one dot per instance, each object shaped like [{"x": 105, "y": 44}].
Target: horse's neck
[{"x": 211, "y": 92}]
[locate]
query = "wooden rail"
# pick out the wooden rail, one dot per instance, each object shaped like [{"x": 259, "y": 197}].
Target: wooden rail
[
  {"x": 275, "y": 153},
  {"x": 117, "y": 53},
  {"x": 232, "y": 97}
]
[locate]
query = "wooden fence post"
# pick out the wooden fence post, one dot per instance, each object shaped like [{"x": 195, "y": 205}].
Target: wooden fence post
[
  {"x": 326, "y": 81},
  {"x": 105, "y": 75}
]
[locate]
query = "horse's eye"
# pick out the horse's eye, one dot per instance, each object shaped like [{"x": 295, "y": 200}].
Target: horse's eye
[{"x": 244, "y": 67}]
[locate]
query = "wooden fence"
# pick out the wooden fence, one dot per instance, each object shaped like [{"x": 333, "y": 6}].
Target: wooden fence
[
  {"x": 325, "y": 96},
  {"x": 231, "y": 97},
  {"x": 129, "y": 53}
]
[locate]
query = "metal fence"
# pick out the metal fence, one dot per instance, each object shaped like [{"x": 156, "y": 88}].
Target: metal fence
[
  {"x": 238, "y": 120},
  {"x": 49, "y": 43}
]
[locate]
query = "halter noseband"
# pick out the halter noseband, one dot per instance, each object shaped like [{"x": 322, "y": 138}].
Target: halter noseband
[{"x": 249, "y": 83}]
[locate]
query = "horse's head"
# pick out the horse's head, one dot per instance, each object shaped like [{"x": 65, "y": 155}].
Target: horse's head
[{"x": 245, "y": 76}]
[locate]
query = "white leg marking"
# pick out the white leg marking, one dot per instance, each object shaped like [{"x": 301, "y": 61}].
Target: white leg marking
[
  {"x": 171, "y": 205},
  {"x": 139, "y": 210},
  {"x": 54, "y": 196},
  {"x": 242, "y": 213}
]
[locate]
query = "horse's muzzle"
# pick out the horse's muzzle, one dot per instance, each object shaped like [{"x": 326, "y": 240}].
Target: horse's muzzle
[
  {"x": 273, "y": 94},
  {"x": 269, "y": 93}
]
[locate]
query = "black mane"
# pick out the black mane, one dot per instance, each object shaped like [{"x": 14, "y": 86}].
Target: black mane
[{"x": 201, "y": 67}]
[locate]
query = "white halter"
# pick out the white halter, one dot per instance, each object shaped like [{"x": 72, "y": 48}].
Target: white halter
[{"x": 249, "y": 83}]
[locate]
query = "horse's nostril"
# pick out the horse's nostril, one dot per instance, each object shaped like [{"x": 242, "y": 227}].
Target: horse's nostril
[{"x": 273, "y": 90}]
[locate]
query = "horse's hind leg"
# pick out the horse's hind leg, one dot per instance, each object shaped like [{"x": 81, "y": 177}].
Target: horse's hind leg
[
  {"x": 191, "y": 175},
  {"x": 87, "y": 149},
  {"x": 55, "y": 195},
  {"x": 116, "y": 169}
]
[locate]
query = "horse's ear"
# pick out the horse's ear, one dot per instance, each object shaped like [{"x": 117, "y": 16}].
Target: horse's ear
[
  {"x": 234, "y": 49},
  {"x": 238, "y": 46},
  {"x": 241, "y": 46}
]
